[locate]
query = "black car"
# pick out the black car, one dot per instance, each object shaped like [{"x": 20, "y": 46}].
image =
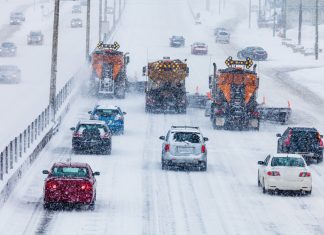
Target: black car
[
  {"x": 301, "y": 140},
  {"x": 8, "y": 49},
  {"x": 91, "y": 136},
  {"x": 35, "y": 37},
  {"x": 255, "y": 53},
  {"x": 177, "y": 41},
  {"x": 9, "y": 74}
]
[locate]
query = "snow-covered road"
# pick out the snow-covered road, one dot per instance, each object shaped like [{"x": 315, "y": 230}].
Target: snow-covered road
[{"x": 134, "y": 196}]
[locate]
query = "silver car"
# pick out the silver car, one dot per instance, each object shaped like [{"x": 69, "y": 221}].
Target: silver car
[
  {"x": 184, "y": 145},
  {"x": 9, "y": 74}
]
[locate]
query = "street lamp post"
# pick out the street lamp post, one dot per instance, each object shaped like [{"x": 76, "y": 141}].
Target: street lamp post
[
  {"x": 316, "y": 30},
  {"x": 250, "y": 13},
  {"x": 300, "y": 20},
  {"x": 52, "y": 96},
  {"x": 88, "y": 29}
]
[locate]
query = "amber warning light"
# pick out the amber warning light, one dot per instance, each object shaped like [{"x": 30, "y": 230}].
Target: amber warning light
[
  {"x": 115, "y": 46},
  {"x": 247, "y": 63}
]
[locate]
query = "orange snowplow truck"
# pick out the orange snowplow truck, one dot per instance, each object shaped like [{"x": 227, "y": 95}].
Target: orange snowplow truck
[
  {"x": 109, "y": 72},
  {"x": 234, "y": 96}
]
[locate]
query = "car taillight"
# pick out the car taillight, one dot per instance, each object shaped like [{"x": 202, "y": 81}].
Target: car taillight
[
  {"x": 320, "y": 140},
  {"x": 86, "y": 186},
  {"x": 167, "y": 148},
  {"x": 105, "y": 136},
  {"x": 304, "y": 174},
  {"x": 203, "y": 148},
  {"x": 273, "y": 173},
  {"x": 321, "y": 143},
  {"x": 51, "y": 185},
  {"x": 77, "y": 134},
  {"x": 219, "y": 111},
  {"x": 287, "y": 141},
  {"x": 255, "y": 114}
]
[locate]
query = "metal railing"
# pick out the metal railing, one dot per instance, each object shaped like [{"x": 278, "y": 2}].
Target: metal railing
[{"x": 28, "y": 138}]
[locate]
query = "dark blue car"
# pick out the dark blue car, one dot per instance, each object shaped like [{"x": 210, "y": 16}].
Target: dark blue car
[
  {"x": 255, "y": 53},
  {"x": 111, "y": 115},
  {"x": 177, "y": 41}
]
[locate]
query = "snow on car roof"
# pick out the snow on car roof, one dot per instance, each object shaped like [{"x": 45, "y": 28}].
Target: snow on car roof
[
  {"x": 287, "y": 155},
  {"x": 185, "y": 129},
  {"x": 70, "y": 164},
  {"x": 106, "y": 106},
  {"x": 92, "y": 122}
]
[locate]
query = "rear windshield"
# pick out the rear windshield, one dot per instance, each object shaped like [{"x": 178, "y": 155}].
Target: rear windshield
[
  {"x": 92, "y": 128},
  {"x": 107, "y": 112},
  {"x": 223, "y": 33},
  {"x": 190, "y": 137},
  {"x": 287, "y": 161},
  {"x": 35, "y": 33},
  {"x": 78, "y": 172},
  {"x": 304, "y": 136},
  {"x": 7, "y": 44}
]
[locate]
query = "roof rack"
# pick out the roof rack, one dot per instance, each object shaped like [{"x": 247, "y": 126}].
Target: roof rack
[{"x": 185, "y": 127}]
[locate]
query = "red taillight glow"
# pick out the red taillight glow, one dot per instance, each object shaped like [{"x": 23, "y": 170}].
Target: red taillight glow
[
  {"x": 51, "y": 185},
  {"x": 86, "y": 186},
  {"x": 255, "y": 114},
  {"x": 77, "y": 134},
  {"x": 203, "y": 148},
  {"x": 304, "y": 174},
  {"x": 273, "y": 173},
  {"x": 105, "y": 136},
  {"x": 287, "y": 141},
  {"x": 167, "y": 148},
  {"x": 219, "y": 111}
]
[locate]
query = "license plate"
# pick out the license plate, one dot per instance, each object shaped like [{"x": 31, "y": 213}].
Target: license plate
[{"x": 185, "y": 150}]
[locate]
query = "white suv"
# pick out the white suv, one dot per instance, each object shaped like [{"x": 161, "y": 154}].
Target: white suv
[{"x": 184, "y": 145}]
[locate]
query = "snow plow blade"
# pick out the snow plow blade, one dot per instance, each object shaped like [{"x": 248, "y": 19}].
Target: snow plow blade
[
  {"x": 196, "y": 101},
  {"x": 280, "y": 115}
]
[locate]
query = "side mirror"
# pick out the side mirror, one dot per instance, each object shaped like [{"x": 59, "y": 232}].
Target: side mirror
[
  {"x": 261, "y": 163},
  {"x": 321, "y": 136},
  {"x": 206, "y": 139},
  {"x": 89, "y": 112},
  {"x": 278, "y": 135},
  {"x": 45, "y": 172},
  {"x": 162, "y": 137},
  {"x": 124, "y": 113},
  {"x": 187, "y": 71},
  {"x": 144, "y": 71},
  {"x": 96, "y": 173},
  {"x": 72, "y": 128}
]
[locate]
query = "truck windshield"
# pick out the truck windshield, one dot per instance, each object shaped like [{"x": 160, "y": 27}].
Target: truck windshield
[{"x": 78, "y": 172}]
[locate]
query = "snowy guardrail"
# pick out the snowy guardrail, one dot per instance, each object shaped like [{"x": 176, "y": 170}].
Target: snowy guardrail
[{"x": 32, "y": 135}]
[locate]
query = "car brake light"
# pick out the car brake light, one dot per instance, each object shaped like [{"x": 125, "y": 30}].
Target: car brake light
[
  {"x": 167, "y": 148},
  {"x": 255, "y": 114},
  {"x": 77, "y": 134},
  {"x": 320, "y": 140},
  {"x": 105, "y": 136},
  {"x": 219, "y": 111},
  {"x": 51, "y": 185},
  {"x": 203, "y": 148},
  {"x": 86, "y": 186},
  {"x": 304, "y": 174},
  {"x": 273, "y": 173},
  {"x": 287, "y": 141}
]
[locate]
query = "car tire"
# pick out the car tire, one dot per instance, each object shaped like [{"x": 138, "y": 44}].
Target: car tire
[
  {"x": 319, "y": 158},
  {"x": 308, "y": 192},
  {"x": 259, "y": 183},
  {"x": 203, "y": 167},
  {"x": 46, "y": 206},
  {"x": 108, "y": 150},
  {"x": 264, "y": 191},
  {"x": 163, "y": 165}
]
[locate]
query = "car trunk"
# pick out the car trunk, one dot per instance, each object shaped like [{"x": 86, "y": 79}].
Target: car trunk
[{"x": 290, "y": 174}]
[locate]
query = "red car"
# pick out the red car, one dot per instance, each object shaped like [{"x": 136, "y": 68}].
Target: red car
[
  {"x": 70, "y": 184},
  {"x": 199, "y": 48}
]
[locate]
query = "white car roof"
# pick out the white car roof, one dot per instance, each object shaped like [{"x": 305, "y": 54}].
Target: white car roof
[
  {"x": 106, "y": 106},
  {"x": 92, "y": 122},
  {"x": 185, "y": 129},
  {"x": 287, "y": 155}
]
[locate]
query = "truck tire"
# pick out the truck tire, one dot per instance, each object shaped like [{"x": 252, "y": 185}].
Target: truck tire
[{"x": 319, "y": 158}]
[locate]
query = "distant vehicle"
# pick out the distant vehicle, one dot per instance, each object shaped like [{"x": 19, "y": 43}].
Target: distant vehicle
[
  {"x": 197, "y": 19},
  {"x": 199, "y": 48},
  {"x": 76, "y": 9},
  {"x": 110, "y": 10},
  {"x": 111, "y": 115},
  {"x": 16, "y": 18},
  {"x": 177, "y": 41},
  {"x": 208, "y": 108},
  {"x": 35, "y": 37},
  {"x": 76, "y": 23},
  {"x": 305, "y": 141},
  {"x": 284, "y": 172},
  {"x": 9, "y": 74},
  {"x": 8, "y": 49},
  {"x": 184, "y": 145},
  {"x": 255, "y": 53},
  {"x": 91, "y": 136},
  {"x": 223, "y": 37},
  {"x": 218, "y": 29},
  {"x": 72, "y": 184}
]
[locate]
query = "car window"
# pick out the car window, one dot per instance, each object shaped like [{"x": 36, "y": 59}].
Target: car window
[
  {"x": 287, "y": 161},
  {"x": 79, "y": 172},
  {"x": 92, "y": 127},
  {"x": 190, "y": 137},
  {"x": 107, "y": 112}
]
